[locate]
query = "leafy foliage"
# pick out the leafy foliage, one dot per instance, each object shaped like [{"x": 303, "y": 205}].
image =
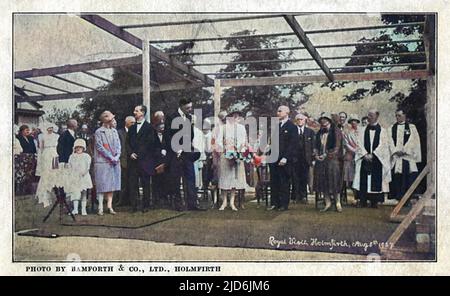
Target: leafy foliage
[
  {"x": 59, "y": 116},
  {"x": 259, "y": 100},
  {"x": 373, "y": 55}
]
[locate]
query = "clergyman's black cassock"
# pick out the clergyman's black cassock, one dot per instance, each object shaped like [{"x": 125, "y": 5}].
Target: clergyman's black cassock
[{"x": 373, "y": 168}]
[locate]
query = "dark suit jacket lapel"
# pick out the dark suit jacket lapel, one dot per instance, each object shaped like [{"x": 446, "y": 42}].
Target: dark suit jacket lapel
[{"x": 143, "y": 128}]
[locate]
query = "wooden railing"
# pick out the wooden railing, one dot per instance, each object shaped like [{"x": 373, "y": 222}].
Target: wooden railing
[
  {"x": 409, "y": 218},
  {"x": 394, "y": 217}
]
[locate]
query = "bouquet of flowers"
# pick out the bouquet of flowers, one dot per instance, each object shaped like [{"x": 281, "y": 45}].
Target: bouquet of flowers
[{"x": 245, "y": 154}]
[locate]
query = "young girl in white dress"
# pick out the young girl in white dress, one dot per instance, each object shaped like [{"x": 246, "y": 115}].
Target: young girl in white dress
[{"x": 81, "y": 181}]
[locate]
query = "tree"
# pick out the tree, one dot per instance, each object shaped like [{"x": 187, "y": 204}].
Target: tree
[
  {"x": 59, "y": 116},
  {"x": 120, "y": 105},
  {"x": 260, "y": 100},
  {"x": 412, "y": 102}
]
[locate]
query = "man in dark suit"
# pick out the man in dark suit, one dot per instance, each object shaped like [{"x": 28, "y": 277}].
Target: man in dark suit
[
  {"x": 302, "y": 160},
  {"x": 140, "y": 141},
  {"x": 280, "y": 170},
  {"x": 26, "y": 140},
  {"x": 123, "y": 196},
  {"x": 182, "y": 157},
  {"x": 160, "y": 159},
  {"x": 66, "y": 140}
]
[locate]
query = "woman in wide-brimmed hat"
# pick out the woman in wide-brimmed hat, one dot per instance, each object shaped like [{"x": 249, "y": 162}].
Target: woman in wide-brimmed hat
[
  {"x": 327, "y": 168},
  {"x": 107, "y": 161},
  {"x": 47, "y": 161}
]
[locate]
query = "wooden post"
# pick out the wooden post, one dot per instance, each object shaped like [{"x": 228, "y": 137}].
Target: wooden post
[
  {"x": 146, "y": 76},
  {"x": 217, "y": 95},
  {"x": 430, "y": 107}
]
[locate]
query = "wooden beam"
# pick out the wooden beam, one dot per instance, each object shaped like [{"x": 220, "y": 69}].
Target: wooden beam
[
  {"x": 72, "y": 82},
  {"x": 400, "y": 75},
  {"x": 310, "y": 59},
  {"x": 318, "y": 69},
  {"x": 217, "y": 97},
  {"x": 146, "y": 77},
  {"x": 28, "y": 90},
  {"x": 96, "y": 76},
  {"x": 136, "y": 42},
  {"x": 409, "y": 218},
  {"x": 133, "y": 90},
  {"x": 202, "y": 21},
  {"x": 82, "y": 67},
  {"x": 334, "y": 30},
  {"x": 45, "y": 85},
  {"x": 163, "y": 41},
  {"x": 112, "y": 29},
  {"x": 409, "y": 192},
  {"x": 365, "y": 28},
  {"x": 295, "y": 26},
  {"x": 296, "y": 47}
]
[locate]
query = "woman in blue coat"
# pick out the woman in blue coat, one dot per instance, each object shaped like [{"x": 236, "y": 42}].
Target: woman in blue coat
[{"x": 107, "y": 161}]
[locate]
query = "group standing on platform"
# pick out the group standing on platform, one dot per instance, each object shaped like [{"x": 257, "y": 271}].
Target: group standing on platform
[{"x": 146, "y": 165}]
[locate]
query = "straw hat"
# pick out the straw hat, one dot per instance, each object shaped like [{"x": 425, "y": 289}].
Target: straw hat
[
  {"x": 325, "y": 116},
  {"x": 353, "y": 117}
]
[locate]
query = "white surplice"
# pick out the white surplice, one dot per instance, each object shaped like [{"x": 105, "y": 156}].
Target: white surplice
[{"x": 382, "y": 152}]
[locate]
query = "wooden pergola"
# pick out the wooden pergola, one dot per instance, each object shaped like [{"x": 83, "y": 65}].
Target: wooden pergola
[{"x": 185, "y": 76}]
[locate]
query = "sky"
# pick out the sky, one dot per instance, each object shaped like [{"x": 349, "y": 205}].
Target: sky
[{"x": 53, "y": 40}]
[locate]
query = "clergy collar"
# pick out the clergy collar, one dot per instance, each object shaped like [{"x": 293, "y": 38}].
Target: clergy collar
[
  {"x": 401, "y": 123},
  {"x": 373, "y": 127}
]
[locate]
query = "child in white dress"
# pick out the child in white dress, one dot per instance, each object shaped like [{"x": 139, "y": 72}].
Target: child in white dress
[{"x": 81, "y": 181}]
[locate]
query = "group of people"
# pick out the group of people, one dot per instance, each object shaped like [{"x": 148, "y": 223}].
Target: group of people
[
  {"x": 148, "y": 164},
  {"x": 369, "y": 159}
]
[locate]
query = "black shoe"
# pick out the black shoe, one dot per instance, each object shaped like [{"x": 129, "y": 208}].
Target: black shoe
[{"x": 282, "y": 209}]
